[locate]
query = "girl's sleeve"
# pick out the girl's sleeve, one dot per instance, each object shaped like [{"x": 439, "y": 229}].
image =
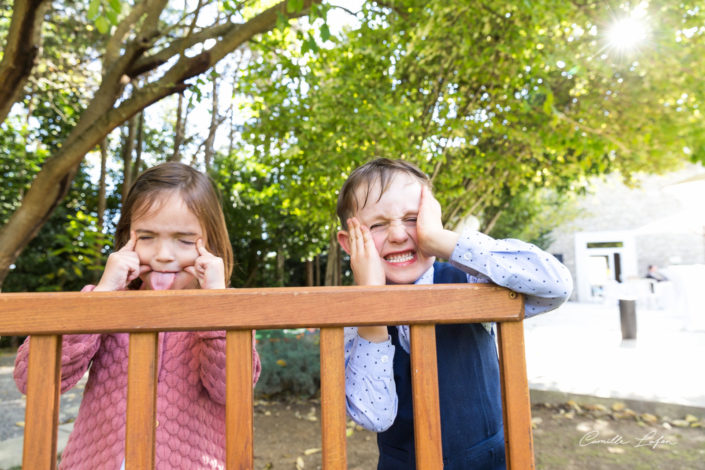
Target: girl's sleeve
[
  {"x": 77, "y": 351},
  {"x": 212, "y": 363}
]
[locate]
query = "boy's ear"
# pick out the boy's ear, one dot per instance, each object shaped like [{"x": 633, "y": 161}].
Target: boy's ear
[{"x": 344, "y": 240}]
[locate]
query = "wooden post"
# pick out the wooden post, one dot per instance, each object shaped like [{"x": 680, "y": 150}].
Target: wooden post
[
  {"x": 333, "y": 399},
  {"x": 516, "y": 403},
  {"x": 42, "y": 412},
  {"x": 424, "y": 386},
  {"x": 141, "y": 401},
  {"x": 239, "y": 426}
]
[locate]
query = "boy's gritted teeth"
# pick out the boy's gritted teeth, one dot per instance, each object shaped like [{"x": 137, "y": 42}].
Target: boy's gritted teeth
[{"x": 402, "y": 257}]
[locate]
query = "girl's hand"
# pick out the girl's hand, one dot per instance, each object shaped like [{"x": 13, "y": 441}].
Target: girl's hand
[
  {"x": 122, "y": 268},
  {"x": 208, "y": 269},
  {"x": 364, "y": 258}
]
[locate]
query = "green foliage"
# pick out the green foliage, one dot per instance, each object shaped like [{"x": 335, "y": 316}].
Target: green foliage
[
  {"x": 263, "y": 221},
  {"x": 69, "y": 251},
  {"x": 531, "y": 216},
  {"x": 104, "y": 13},
  {"x": 493, "y": 101},
  {"x": 290, "y": 363}
]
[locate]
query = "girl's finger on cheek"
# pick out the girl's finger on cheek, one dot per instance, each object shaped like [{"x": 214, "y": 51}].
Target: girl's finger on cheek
[
  {"x": 191, "y": 270},
  {"x": 130, "y": 245},
  {"x": 201, "y": 247}
]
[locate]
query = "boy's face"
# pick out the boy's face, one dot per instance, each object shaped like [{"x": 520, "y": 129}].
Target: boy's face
[{"x": 392, "y": 223}]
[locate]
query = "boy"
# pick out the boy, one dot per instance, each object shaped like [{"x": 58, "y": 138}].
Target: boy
[{"x": 393, "y": 233}]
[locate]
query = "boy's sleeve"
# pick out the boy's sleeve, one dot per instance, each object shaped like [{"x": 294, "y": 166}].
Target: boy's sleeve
[
  {"x": 370, "y": 392},
  {"x": 516, "y": 265}
]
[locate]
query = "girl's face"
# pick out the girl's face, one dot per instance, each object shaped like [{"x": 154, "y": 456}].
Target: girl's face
[{"x": 166, "y": 242}]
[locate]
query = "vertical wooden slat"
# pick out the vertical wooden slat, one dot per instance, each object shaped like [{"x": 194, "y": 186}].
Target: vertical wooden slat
[
  {"x": 516, "y": 403},
  {"x": 141, "y": 401},
  {"x": 424, "y": 385},
  {"x": 333, "y": 399},
  {"x": 239, "y": 425},
  {"x": 42, "y": 413}
]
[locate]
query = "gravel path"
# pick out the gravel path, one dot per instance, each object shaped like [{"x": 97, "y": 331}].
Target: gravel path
[{"x": 12, "y": 402}]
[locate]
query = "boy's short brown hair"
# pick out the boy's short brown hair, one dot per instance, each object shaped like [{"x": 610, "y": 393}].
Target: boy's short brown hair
[{"x": 380, "y": 169}]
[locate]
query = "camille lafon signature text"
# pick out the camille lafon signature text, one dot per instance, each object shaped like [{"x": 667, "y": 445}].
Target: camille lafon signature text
[{"x": 650, "y": 439}]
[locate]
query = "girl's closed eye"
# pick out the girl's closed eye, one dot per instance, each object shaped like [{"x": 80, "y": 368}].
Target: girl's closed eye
[{"x": 187, "y": 242}]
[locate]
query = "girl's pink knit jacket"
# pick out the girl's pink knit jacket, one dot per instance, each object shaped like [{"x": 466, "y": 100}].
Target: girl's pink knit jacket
[{"x": 190, "y": 430}]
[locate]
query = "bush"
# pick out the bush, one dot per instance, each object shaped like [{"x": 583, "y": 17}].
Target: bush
[{"x": 290, "y": 363}]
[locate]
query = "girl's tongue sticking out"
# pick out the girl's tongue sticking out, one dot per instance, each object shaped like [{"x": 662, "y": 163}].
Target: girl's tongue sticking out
[{"x": 161, "y": 281}]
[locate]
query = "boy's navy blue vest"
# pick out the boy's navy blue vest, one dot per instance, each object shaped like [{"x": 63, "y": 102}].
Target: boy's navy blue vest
[{"x": 469, "y": 395}]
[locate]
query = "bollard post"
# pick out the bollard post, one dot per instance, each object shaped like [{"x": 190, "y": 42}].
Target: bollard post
[{"x": 627, "y": 317}]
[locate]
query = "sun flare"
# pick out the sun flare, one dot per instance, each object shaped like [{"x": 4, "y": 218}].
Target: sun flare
[{"x": 627, "y": 34}]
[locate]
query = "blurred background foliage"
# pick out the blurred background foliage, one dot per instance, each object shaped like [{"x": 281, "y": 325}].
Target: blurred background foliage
[{"x": 290, "y": 363}]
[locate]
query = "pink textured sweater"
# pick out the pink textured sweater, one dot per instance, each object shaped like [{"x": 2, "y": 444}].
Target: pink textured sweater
[{"x": 190, "y": 431}]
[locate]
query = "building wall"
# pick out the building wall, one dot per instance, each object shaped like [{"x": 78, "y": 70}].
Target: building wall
[{"x": 662, "y": 215}]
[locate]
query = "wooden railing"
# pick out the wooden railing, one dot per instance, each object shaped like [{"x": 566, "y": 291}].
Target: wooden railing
[{"x": 47, "y": 316}]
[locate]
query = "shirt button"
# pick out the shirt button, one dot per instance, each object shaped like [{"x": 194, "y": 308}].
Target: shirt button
[
  {"x": 384, "y": 359},
  {"x": 467, "y": 256}
]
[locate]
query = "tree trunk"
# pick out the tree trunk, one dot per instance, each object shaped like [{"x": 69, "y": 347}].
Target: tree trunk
[
  {"x": 231, "y": 142},
  {"x": 333, "y": 264},
  {"x": 128, "y": 147},
  {"x": 178, "y": 131},
  {"x": 317, "y": 271},
  {"x": 309, "y": 272},
  {"x": 136, "y": 167},
  {"x": 209, "y": 149},
  {"x": 22, "y": 46},
  {"x": 280, "y": 268},
  {"x": 102, "y": 205}
]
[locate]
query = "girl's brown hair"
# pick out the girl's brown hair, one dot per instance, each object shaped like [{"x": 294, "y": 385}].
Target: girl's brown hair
[
  {"x": 199, "y": 194},
  {"x": 380, "y": 169}
]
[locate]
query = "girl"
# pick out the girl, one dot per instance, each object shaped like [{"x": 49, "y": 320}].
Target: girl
[{"x": 171, "y": 235}]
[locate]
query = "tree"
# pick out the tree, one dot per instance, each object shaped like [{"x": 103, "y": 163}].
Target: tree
[
  {"x": 21, "y": 48},
  {"x": 149, "y": 37},
  {"x": 496, "y": 103}
]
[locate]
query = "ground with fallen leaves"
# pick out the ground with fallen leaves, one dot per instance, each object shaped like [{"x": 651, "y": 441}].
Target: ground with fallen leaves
[{"x": 567, "y": 436}]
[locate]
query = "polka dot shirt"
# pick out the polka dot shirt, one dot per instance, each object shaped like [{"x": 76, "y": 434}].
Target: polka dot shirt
[{"x": 514, "y": 264}]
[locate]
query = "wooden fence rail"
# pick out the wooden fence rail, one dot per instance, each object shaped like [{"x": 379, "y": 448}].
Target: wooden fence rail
[{"x": 47, "y": 316}]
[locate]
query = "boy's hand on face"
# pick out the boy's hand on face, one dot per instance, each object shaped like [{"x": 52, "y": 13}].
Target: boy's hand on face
[
  {"x": 368, "y": 271},
  {"x": 364, "y": 259},
  {"x": 433, "y": 239},
  {"x": 122, "y": 268},
  {"x": 208, "y": 269}
]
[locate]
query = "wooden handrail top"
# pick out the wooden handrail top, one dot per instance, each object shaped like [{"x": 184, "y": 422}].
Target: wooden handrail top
[{"x": 262, "y": 308}]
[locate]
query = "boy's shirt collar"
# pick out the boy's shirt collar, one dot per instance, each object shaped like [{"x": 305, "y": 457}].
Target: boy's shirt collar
[{"x": 426, "y": 278}]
